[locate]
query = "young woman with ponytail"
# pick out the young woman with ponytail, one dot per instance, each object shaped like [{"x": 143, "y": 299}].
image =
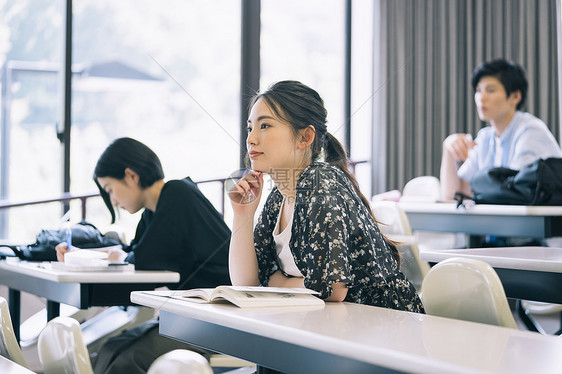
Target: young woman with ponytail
[{"x": 316, "y": 229}]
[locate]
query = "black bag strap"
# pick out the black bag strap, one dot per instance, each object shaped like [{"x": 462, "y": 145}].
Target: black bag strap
[{"x": 460, "y": 197}]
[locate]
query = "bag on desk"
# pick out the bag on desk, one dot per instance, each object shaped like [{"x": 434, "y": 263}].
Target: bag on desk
[
  {"x": 84, "y": 235},
  {"x": 539, "y": 183}
]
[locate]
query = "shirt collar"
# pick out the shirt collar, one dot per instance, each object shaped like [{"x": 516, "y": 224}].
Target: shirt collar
[{"x": 510, "y": 129}]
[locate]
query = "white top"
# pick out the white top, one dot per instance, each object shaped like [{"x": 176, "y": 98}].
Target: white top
[
  {"x": 398, "y": 340},
  {"x": 282, "y": 239},
  {"x": 43, "y": 270},
  {"x": 547, "y": 259}
]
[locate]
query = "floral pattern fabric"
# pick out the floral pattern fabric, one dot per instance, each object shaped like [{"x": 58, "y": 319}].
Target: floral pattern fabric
[{"x": 335, "y": 239}]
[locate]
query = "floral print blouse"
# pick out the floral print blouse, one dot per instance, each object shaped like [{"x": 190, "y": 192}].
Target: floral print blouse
[{"x": 335, "y": 239}]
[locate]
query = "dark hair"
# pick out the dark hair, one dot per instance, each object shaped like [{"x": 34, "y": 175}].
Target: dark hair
[
  {"x": 301, "y": 106},
  {"x": 129, "y": 153},
  {"x": 511, "y": 76}
]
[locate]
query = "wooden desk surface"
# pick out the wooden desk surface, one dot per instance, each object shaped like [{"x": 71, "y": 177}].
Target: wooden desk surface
[{"x": 355, "y": 338}]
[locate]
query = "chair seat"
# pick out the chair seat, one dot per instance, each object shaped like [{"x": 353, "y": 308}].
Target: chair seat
[
  {"x": 62, "y": 349},
  {"x": 180, "y": 361}
]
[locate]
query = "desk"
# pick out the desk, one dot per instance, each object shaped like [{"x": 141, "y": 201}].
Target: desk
[
  {"x": 10, "y": 367},
  {"x": 500, "y": 220},
  {"x": 80, "y": 289},
  {"x": 353, "y": 338},
  {"x": 528, "y": 273}
]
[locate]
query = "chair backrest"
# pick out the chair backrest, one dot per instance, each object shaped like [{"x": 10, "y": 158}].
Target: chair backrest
[
  {"x": 62, "y": 349},
  {"x": 426, "y": 188},
  {"x": 392, "y": 220},
  {"x": 393, "y": 223},
  {"x": 467, "y": 289},
  {"x": 9, "y": 346},
  {"x": 180, "y": 361}
]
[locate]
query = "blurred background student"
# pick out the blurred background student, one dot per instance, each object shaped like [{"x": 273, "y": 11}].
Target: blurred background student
[{"x": 513, "y": 138}]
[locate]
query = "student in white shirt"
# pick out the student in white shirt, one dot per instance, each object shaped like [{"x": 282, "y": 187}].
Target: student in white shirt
[{"x": 513, "y": 139}]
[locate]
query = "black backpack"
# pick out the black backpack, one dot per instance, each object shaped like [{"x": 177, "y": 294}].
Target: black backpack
[
  {"x": 84, "y": 235},
  {"x": 539, "y": 183}
]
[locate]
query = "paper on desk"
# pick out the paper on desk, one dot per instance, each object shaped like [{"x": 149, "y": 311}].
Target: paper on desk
[
  {"x": 88, "y": 268},
  {"x": 86, "y": 257}
]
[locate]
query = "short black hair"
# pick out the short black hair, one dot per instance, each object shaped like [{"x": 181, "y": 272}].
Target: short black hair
[
  {"x": 510, "y": 74},
  {"x": 126, "y": 153}
]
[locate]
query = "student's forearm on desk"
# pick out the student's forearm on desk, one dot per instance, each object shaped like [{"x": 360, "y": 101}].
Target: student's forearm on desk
[
  {"x": 242, "y": 261},
  {"x": 449, "y": 180},
  {"x": 277, "y": 279}
]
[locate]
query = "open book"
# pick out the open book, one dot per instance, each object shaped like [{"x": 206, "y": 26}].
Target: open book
[{"x": 247, "y": 296}]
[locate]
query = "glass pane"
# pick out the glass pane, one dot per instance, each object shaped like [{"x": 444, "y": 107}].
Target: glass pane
[
  {"x": 166, "y": 73},
  {"x": 365, "y": 91},
  {"x": 31, "y": 155},
  {"x": 304, "y": 41}
]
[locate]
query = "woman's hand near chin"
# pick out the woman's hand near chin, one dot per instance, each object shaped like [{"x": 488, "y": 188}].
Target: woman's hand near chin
[{"x": 246, "y": 194}]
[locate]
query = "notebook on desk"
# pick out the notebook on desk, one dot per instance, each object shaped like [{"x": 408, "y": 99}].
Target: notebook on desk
[{"x": 61, "y": 266}]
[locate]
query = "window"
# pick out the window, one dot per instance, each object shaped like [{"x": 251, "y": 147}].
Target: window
[
  {"x": 304, "y": 41},
  {"x": 31, "y": 156},
  {"x": 166, "y": 73}
]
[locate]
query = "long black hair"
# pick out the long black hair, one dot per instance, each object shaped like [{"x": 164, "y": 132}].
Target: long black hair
[
  {"x": 301, "y": 107},
  {"x": 125, "y": 153}
]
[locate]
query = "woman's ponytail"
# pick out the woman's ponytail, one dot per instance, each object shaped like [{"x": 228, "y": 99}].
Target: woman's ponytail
[{"x": 335, "y": 154}]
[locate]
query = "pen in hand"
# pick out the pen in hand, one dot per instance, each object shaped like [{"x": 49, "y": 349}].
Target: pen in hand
[{"x": 68, "y": 238}]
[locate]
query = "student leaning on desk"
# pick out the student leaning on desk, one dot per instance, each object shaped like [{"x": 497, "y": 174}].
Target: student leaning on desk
[
  {"x": 513, "y": 139},
  {"x": 316, "y": 229},
  {"x": 179, "y": 231}
]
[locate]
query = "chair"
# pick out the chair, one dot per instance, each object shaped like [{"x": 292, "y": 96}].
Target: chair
[
  {"x": 32, "y": 327},
  {"x": 229, "y": 364},
  {"x": 427, "y": 189},
  {"x": 9, "y": 346},
  {"x": 466, "y": 289},
  {"x": 394, "y": 224},
  {"x": 422, "y": 189},
  {"x": 62, "y": 349},
  {"x": 527, "y": 309},
  {"x": 180, "y": 361}
]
